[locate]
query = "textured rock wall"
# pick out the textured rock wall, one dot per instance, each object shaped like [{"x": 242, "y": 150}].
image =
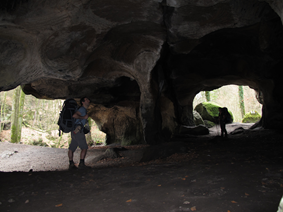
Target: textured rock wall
[{"x": 142, "y": 62}]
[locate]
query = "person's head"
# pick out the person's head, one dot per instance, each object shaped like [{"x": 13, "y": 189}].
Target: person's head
[
  {"x": 225, "y": 110},
  {"x": 84, "y": 100}
]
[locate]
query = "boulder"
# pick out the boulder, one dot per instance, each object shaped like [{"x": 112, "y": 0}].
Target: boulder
[
  {"x": 209, "y": 124},
  {"x": 112, "y": 153},
  {"x": 197, "y": 118},
  {"x": 192, "y": 130},
  {"x": 209, "y": 111},
  {"x": 251, "y": 117},
  {"x": 238, "y": 130}
]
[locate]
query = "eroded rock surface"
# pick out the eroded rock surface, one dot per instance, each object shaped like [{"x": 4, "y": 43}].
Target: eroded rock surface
[{"x": 142, "y": 62}]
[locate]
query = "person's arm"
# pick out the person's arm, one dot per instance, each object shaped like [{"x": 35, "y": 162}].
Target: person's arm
[{"x": 78, "y": 115}]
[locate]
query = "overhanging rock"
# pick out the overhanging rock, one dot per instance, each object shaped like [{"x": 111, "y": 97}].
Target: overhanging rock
[{"x": 142, "y": 62}]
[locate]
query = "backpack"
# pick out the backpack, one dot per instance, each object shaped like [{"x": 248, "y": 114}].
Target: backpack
[
  {"x": 228, "y": 118},
  {"x": 66, "y": 121}
]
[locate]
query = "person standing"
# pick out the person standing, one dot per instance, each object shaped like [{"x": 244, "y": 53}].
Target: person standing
[
  {"x": 222, "y": 120},
  {"x": 78, "y": 136}
]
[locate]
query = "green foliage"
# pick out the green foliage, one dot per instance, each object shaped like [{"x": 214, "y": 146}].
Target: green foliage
[
  {"x": 99, "y": 142},
  {"x": 251, "y": 117},
  {"x": 42, "y": 114},
  {"x": 38, "y": 115}
]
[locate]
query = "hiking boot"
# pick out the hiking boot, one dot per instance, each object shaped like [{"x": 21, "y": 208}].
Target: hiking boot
[
  {"x": 72, "y": 167},
  {"x": 83, "y": 166}
]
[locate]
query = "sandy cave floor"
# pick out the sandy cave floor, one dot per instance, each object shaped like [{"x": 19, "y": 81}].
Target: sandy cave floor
[{"x": 241, "y": 173}]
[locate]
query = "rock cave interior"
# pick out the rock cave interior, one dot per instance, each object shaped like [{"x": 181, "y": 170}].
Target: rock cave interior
[{"x": 142, "y": 62}]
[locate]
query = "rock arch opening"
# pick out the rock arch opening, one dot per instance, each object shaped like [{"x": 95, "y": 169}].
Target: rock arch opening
[
  {"x": 229, "y": 96},
  {"x": 119, "y": 118},
  {"x": 231, "y": 100}
]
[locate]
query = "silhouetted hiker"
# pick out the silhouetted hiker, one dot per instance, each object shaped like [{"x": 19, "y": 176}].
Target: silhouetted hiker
[
  {"x": 224, "y": 117},
  {"x": 78, "y": 136}
]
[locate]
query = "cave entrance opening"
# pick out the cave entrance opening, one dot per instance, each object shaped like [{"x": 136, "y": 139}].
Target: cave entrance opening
[
  {"x": 39, "y": 122},
  {"x": 229, "y": 96}
]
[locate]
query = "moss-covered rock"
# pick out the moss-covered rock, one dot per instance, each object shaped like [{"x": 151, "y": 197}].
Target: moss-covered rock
[
  {"x": 197, "y": 118},
  {"x": 209, "y": 111},
  {"x": 251, "y": 117},
  {"x": 209, "y": 124}
]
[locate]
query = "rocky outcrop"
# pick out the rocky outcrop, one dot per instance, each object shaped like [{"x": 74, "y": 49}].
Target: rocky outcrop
[
  {"x": 210, "y": 111},
  {"x": 142, "y": 62},
  {"x": 197, "y": 118}
]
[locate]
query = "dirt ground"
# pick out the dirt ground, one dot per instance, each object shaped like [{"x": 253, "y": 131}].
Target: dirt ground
[{"x": 242, "y": 173}]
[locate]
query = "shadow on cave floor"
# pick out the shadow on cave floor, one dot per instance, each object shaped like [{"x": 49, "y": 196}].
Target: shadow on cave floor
[{"x": 243, "y": 173}]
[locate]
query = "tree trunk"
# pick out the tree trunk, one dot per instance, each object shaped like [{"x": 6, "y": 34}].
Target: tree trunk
[
  {"x": 207, "y": 96},
  {"x": 241, "y": 101},
  {"x": 21, "y": 113},
  {"x": 17, "y": 115},
  {"x": 3, "y": 105},
  {"x": 35, "y": 112}
]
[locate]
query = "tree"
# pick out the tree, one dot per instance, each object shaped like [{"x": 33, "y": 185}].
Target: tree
[
  {"x": 3, "y": 107},
  {"x": 17, "y": 115},
  {"x": 21, "y": 113},
  {"x": 241, "y": 101},
  {"x": 207, "y": 96}
]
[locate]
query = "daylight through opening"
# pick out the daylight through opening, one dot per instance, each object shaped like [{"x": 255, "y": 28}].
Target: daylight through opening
[
  {"x": 39, "y": 122},
  {"x": 229, "y": 96}
]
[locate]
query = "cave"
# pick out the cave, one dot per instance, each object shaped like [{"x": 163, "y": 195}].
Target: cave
[
  {"x": 141, "y": 68},
  {"x": 141, "y": 63}
]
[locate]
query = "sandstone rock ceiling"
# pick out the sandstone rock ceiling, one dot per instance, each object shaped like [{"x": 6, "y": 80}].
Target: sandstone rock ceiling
[{"x": 141, "y": 62}]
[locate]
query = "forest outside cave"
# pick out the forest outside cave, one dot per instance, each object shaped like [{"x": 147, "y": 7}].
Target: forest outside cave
[{"x": 228, "y": 96}]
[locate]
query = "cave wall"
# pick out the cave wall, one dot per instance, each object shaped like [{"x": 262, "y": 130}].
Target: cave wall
[{"x": 142, "y": 62}]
